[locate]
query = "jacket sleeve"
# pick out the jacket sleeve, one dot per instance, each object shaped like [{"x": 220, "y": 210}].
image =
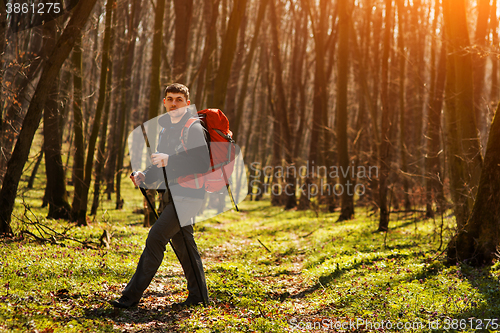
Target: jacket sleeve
[
  {"x": 195, "y": 159},
  {"x": 152, "y": 174}
]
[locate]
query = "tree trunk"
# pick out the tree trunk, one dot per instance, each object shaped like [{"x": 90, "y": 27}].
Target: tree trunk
[
  {"x": 125, "y": 107},
  {"x": 31, "y": 181},
  {"x": 477, "y": 243},
  {"x": 296, "y": 111},
  {"x": 101, "y": 154},
  {"x": 479, "y": 63},
  {"x": 467, "y": 145},
  {"x": 385, "y": 145},
  {"x": 211, "y": 12},
  {"x": 57, "y": 200},
  {"x": 248, "y": 66},
  {"x": 82, "y": 214},
  {"x": 319, "y": 97},
  {"x": 347, "y": 208},
  {"x": 455, "y": 162},
  {"x": 281, "y": 115},
  {"x": 415, "y": 95},
  {"x": 154, "y": 93},
  {"x": 494, "y": 60},
  {"x": 227, "y": 53},
  {"x": 31, "y": 121},
  {"x": 3, "y": 43},
  {"x": 232, "y": 87},
  {"x": 79, "y": 158},
  {"x": 434, "y": 174},
  {"x": 114, "y": 66},
  {"x": 183, "y": 14},
  {"x": 402, "y": 106}
]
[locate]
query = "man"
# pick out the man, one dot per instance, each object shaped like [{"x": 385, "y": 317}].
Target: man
[{"x": 172, "y": 160}]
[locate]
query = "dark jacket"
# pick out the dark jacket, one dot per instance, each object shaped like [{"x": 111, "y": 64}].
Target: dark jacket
[{"x": 181, "y": 162}]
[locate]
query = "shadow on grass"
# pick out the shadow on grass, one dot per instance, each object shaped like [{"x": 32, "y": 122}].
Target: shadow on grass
[
  {"x": 148, "y": 318},
  {"x": 486, "y": 284},
  {"x": 339, "y": 271}
]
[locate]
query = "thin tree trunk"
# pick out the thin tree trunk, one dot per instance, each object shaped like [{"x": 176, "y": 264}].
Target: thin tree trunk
[
  {"x": 347, "y": 209},
  {"x": 3, "y": 43},
  {"x": 211, "y": 11},
  {"x": 385, "y": 145},
  {"x": 434, "y": 174},
  {"x": 227, "y": 53},
  {"x": 101, "y": 153},
  {"x": 455, "y": 162},
  {"x": 126, "y": 80},
  {"x": 248, "y": 66},
  {"x": 114, "y": 70},
  {"x": 283, "y": 132},
  {"x": 232, "y": 88},
  {"x": 154, "y": 94},
  {"x": 183, "y": 14},
  {"x": 57, "y": 200},
  {"x": 79, "y": 158},
  {"x": 82, "y": 214},
  {"x": 402, "y": 106},
  {"x": 31, "y": 181},
  {"x": 319, "y": 98},
  {"x": 494, "y": 60}
]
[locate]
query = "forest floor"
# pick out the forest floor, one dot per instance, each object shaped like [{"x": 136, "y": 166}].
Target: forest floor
[{"x": 267, "y": 270}]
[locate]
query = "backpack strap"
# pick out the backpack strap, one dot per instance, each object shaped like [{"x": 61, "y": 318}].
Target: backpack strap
[
  {"x": 184, "y": 133},
  {"x": 225, "y": 136},
  {"x": 184, "y": 138}
]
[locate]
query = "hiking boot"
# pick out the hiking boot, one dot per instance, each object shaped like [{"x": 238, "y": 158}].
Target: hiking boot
[
  {"x": 190, "y": 301},
  {"x": 123, "y": 302}
]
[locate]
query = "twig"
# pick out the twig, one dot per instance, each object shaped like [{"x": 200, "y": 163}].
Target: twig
[
  {"x": 263, "y": 245},
  {"x": 309, "y": 234},
  {"x": 47, "y": 234}
]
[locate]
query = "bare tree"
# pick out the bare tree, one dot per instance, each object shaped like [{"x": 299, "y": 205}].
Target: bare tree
[
  {"x": 183, "y": 15},
  {"x": 79, "y": 155},
  {"x": 50, "y": 72},
  {"x": 56, "y": 184},
  {"x": 434, "y": 173},
  {"x": 82, "y": 213},
  {"x": 462, "y": 136},
  {"x": 347, "y": 209}
]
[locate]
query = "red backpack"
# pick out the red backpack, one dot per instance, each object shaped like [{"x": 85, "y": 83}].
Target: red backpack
[{"x": 221, "y": 147}]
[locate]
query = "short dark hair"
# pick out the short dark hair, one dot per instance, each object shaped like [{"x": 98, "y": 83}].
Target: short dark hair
[{"x": 177, "y": 88}]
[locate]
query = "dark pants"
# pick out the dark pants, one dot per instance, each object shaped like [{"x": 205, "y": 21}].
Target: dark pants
[{"x": 167, "y": 228}]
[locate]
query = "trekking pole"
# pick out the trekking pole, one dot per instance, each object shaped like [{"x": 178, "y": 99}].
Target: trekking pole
[
  {"x": 143, "y": 190},
  {"x": 229, "y": 189},
  {"x": 197, "y": 276}
]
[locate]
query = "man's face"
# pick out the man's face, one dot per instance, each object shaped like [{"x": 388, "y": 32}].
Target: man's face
[{"x": 175, "y": 101}]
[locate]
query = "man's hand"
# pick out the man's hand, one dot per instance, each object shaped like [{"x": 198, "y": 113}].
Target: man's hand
[
  {"x": 137, "y": 178},
  {"x": 159, "y": 159}
]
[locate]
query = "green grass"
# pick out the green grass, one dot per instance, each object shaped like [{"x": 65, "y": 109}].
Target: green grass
[{"x": 314, "y": 274}]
